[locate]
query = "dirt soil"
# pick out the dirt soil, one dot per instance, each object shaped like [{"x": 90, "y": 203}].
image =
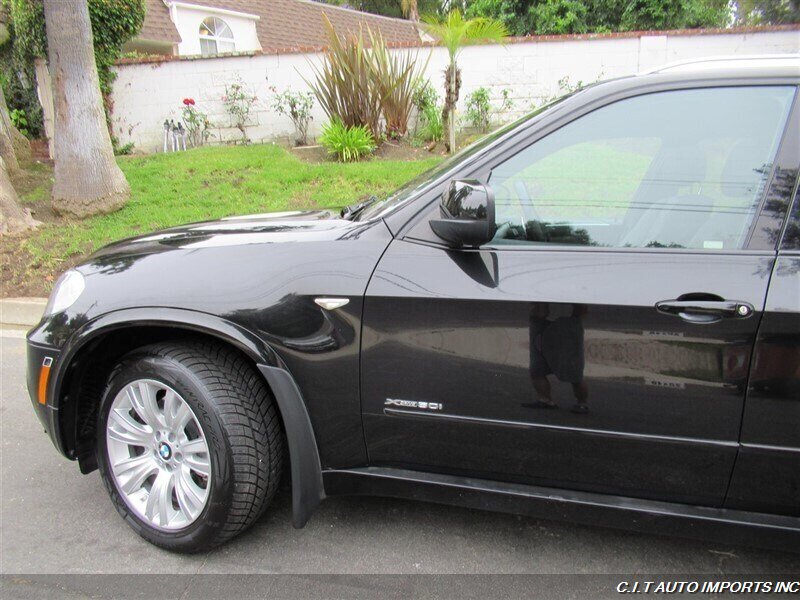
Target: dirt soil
[
  {"x": 20, "y": 274},
  {"x": 400, "y": 150}
]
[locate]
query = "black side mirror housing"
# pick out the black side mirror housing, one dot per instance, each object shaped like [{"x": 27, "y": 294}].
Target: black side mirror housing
[{"x": 467, "y": 214}]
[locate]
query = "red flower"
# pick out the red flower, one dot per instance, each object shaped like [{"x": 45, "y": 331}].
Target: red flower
[{"x": 188, "y": 102}]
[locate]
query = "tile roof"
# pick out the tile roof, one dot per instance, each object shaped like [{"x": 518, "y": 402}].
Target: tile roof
[
  {"x": 157, "y": 24},
  {"x": 287, "y": 24}
]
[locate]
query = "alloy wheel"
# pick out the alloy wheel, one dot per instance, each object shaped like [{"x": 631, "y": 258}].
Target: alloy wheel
[{"x": 158, "y": 454}]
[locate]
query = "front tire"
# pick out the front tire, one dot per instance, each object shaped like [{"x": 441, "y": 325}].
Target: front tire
[{"x": 189, "y": 444}]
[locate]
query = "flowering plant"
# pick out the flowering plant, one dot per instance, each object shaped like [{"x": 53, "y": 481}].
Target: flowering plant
[
  {"x": 238, "y": 102},
  {"x": 297, "y": 106},
  {"x": 196, "y": 122}
]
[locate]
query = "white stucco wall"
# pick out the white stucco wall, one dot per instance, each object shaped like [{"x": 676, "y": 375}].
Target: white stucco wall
[
  {"x": 187, "y": 19},
  {"x": 146, "y": 94}
]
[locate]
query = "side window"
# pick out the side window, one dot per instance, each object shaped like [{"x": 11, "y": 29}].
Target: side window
[
  {"x": 791, "y": 237},
  {"x": 679, "y": 169}
]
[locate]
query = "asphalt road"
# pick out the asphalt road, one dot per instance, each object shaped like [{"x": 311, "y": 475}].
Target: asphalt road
[{"x": 55, "y": 520}]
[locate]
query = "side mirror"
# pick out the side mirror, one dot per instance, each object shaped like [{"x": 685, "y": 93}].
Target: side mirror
[{"x": 467, "y": 214}]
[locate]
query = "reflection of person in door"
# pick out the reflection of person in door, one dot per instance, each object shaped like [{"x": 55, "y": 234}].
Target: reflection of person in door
[{"x": 556, "y": 339}]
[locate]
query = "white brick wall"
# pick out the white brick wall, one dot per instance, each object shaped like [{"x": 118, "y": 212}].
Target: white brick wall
[{"x": 146, "y": 94}]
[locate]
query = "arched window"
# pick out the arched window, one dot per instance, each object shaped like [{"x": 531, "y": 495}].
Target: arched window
[{"x": 215, "y": 37}]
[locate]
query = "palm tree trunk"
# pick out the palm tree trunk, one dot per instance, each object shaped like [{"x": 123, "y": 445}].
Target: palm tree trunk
[
  {"x": 452, "y": 77},
  {"x": 413, "y": 11},
  {"x": 87, "y": 178},
  {"x": 410, "y": 10},
  {"x": 452, "y": 120}
]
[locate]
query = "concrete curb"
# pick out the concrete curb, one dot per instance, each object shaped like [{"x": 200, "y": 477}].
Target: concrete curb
[{"x": 24, "y": 312}]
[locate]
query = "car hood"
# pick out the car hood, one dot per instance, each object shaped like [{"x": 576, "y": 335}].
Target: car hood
[{"x": 264, "y": 228}]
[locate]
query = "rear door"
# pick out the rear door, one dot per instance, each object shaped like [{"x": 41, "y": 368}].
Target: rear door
[
  {"x": 767, "y": 473},
  {"x": 542, "y": 358}
]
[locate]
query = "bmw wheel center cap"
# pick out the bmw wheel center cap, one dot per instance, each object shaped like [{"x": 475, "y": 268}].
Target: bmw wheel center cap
[{"x": 164, "y": 451}]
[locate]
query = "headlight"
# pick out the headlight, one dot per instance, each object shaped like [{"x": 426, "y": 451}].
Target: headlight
[{"x": 67, "y": 290}]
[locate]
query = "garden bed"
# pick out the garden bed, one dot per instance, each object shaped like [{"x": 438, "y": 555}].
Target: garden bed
[{"x": 399, "y": 150}]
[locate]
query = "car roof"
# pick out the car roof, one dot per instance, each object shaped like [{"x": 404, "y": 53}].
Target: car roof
[{"x": 766, "y": 64}]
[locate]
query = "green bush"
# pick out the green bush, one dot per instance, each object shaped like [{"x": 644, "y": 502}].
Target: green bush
[
  {"x": 431, "y": 127},
  {"x": 480, "y": 109},
  {"x": 348, "y": 144},
  {"x": 19, "y": 120},
  {"x": 425, "y": 95}
]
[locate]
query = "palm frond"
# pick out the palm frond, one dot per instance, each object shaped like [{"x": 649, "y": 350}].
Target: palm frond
[
  {"x": 454, "y": 32},
  {"x": 486, "y": 30}
]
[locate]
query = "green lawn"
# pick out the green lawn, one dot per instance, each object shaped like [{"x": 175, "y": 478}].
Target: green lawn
[{"x": 212, "y": 182}]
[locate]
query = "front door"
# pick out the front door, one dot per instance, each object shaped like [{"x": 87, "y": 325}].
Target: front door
[{"x": 601, "y": 342}]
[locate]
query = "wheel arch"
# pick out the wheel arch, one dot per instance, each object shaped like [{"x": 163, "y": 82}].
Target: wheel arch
[{"x": 79, "y": 381}]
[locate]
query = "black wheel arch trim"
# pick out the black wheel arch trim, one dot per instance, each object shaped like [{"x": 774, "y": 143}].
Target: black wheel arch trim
[{"x": 307, "y": 487}]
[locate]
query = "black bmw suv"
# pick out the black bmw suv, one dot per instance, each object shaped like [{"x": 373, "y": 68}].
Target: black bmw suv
[{"x": 591, "y": 314}]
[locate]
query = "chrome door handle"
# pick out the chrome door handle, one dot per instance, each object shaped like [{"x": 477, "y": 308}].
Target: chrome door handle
[{"x": 706, "y": 311}]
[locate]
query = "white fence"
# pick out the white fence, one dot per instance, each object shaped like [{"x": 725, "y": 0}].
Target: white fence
[{"x": 145, "y": 94}]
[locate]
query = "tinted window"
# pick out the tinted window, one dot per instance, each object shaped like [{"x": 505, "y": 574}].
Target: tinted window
[
  {"x": 681, "y": 169},
  {"x": 791, "y": 237}
]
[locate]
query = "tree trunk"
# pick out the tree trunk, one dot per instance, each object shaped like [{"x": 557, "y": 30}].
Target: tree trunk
[
  {"x": 413, "y": 11},
  {"x": 20, "y": 144},
  {"x": 13, "y": 218},
  {"x": 87, "y": 178},
  {"x": 452, "y": 82},
  {"x": 6, "y": 143}
]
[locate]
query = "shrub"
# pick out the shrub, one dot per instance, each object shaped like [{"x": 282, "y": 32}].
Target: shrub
[
  {"x": 347, "y": 143},
  {"x": 425, "y": 95},
  {"x": 425, "y": 100},
  {"x": 239, "y": 104},
  {"x": 19, "y": 120},
  {"x": 480, "y": 109},
  {"x": 124, "y": 150},
  {"x": 432, "y": 127},
  {"x": 196, "y": 123},
  {"x": 344, "y": 83},
  {"x": 297, "y": 106}
]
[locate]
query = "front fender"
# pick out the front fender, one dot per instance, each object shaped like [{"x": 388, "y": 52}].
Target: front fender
[{"x": 307, "y": 487}]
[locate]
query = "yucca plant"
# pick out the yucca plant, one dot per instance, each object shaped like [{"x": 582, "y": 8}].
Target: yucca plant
[
  {"x": 397, "y": 77},
  {"x": 454, "y": 32},
  {"x": 347, "y": 143},
  {"x": 344, "y": 83}
]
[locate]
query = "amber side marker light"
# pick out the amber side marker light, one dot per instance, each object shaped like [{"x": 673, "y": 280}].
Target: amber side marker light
[{"x": 44, "y": 376}]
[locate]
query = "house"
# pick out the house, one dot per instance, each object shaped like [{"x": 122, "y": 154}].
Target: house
[{"x": 214, "y": 27}]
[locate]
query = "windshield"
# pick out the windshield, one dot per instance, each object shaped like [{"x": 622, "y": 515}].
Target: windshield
[{"x": 398, "y": 197}]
